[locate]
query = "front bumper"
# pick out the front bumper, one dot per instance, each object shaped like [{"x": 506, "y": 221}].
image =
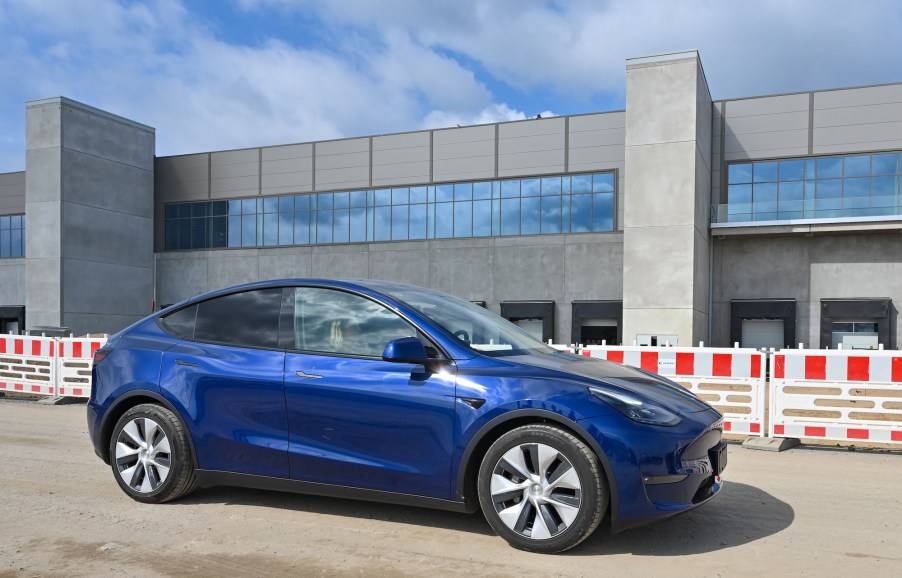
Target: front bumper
[{"x": 659, "y": 472}]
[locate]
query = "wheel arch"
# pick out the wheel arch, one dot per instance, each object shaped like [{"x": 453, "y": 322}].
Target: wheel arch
[
  {"x": 468, "y": 469},
  {"x": 125, "y": 403}
]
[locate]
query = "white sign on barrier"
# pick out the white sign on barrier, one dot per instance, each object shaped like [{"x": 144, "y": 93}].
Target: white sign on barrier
[
  {"x": 731, "y": 380},
  {"x": 837, "y": 395}
]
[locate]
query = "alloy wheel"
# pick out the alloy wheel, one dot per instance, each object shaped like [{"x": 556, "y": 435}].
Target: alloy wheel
[{"x": 143, "y": 455}]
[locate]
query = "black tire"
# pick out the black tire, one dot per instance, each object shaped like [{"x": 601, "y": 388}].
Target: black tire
[
  {"x": 541, "y": 496},
  {"x": 144, "y": 465}
]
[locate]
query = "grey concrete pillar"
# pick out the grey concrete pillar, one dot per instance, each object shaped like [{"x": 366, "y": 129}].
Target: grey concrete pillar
[
  {"x": 89, "y": 204},
  {"x": 666, "y": 213}
]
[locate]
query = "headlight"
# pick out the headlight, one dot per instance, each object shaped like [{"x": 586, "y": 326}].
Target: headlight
[{"x": 635, "y": 408}]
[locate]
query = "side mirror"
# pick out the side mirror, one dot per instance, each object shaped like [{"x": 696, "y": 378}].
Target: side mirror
[{"x": 405, "y": 350}]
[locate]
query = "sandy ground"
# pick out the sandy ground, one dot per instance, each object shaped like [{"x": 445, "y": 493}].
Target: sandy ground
[{"x": 801, "y": 512}]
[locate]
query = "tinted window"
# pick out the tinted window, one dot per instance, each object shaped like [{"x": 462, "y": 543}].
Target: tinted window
[
  {"x": 182, "y": 321},
  {"x": 338, "y": 322},
  {"x": 250, "y": 318}
]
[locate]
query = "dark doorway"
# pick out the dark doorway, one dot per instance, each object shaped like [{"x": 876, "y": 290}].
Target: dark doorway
[
  {"x": 842, "y": 316},
  {"x": 534, "y": 317},
  {"x": 752, "y": 319},
  {"x": 595, "y": 321},
  {"x": 12, "y": 319}
]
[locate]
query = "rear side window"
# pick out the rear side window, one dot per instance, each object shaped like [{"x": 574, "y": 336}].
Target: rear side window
[
  {"x": 182, "y": 322},
  {"x": 333, "y": 321}
]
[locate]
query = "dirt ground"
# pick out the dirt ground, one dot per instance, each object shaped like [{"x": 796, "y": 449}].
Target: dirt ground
[{"x": 802, "y": 512}]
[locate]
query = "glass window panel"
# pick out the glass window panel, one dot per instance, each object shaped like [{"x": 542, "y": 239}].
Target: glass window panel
[
  {"x": 792, "y": 170},
  {"x": 235, "y": 207},
  {"x": 430, "y": 221},
  {"x": 370, "y": 220},
  {"x": 5, "y": 243},
  {"x": 400, "y": 196},
  {"x": 603, "y": 212},
  {"x": 271, "y": 229},
  {"x": 565, "y": 185},
  {"x": 884, "y": 164},
  {"x": 565, "y": 214},
  {"x": 865, "y": 328},
  {"x": 16, "y": 244},
  {"x": 5, "y": 223},
  {"x": 530, "y": 216},
  {"x": 811, "y": 168},
  {"x": 17, "y": 222},
  {"x": 510, "y": 189},
  {"x": 883, "y": 186},
  {"x": 248, "y": 206},
  {"x": 792, "y": 191},
  {"x": 581, "y": 213},
  {"x": 271, "y": 205},
  {"x": 510, "y": 217},
  {"x": 857, "y": 166},
  {"x": 358, "y": 198},
  {"x": 183, "y": 210},
  {"x": 199, "y": 209},
  {"x": 219, "y": 232},
  {"x": 496, "y": 189},
  {"x": 793, "y": 207},
  {"x": 170, "y": 235},
  {"x": 249, "y": 230},
  {"x": 286, "y": 204},
  {"x": 323, "y": 226},
  {"x": 463, "y": 192},
  {"x": 259, "y": 229},
  {"x": 358, "y": 223},
  {"x": 417, "y": 222},
  {"x": 341, "y": 219},
  {"x": 430, "y": 194},
  {"x": 235, "y": 230},
  {"x": 765, "y": 172},
  {"x": 829, "y": 189},
  {"x": 482, "y": 190},
  {"x": 739, "y": 173},
  {"x": 463, "y": 219},
  {"x": 843, "y": 327},
  {"x": 286, "y": 228},
  {"x": 581, "y": 184},
  {"x": 250, "y": 318},
  {"x": 382, "y": 223},
  {"x": 340, "y": 200},
  {"x": 603, "y": 183},
  {"x": 417, "y": 195},
  {"x": 551, "y": 213},
  {"x": 551, "y": 186},
  {"x": 371, "y": 198},
  {"x": 170, "y": 212},
  {"x": 482, "y": 218},
  {"x": 399, "y": 224},
  {"x": 444, "y": 193},
  {"x": 857, "y": 187},
  {"x": 829, "y": 167},
  {"x": 184, "y": 236},
  {"x": 302, "y": 202},
  {"x": 444, "y": 220},
  {"x": 530, "y": 187},
  {"x": 496, "y": 217},
  {"x": 764, "y": 192},
  {"x": 323, "y": 203}
]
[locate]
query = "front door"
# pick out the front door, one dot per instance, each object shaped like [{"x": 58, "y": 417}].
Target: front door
[{"x": 354, "y": 419}]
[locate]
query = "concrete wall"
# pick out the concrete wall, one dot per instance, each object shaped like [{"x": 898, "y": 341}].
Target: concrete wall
[
  {"x": 668, "y": 155},
  {"x": 12, "y": 193},
  {"x": 12, "y": 281},
  {"x": 807, "y": 269},
  {"x": 562, "y": 268},
  {"x": 87, "y": 167}
]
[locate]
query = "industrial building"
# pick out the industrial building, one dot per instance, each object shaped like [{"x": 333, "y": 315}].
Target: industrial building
[{"x": 768, "y": 221}]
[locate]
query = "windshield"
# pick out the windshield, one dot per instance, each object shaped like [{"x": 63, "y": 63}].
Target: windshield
[{"x": 477, "y": 327}]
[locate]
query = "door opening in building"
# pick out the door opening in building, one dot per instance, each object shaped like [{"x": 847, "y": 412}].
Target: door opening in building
[
  {"x": 855, "y": 334},
  {"x": 762, "y": 333},
  {"x": 595, "y": 330},
  {"x": 531, "y": 326}
]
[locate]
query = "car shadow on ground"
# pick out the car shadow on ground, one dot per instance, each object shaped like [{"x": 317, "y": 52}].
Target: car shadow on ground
[{"x": 739, "y": 514}]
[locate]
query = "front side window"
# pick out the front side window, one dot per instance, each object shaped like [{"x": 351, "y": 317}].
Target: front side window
[
  {"x": 332, "y": 321},
  {"x": 248, "y": 319}
]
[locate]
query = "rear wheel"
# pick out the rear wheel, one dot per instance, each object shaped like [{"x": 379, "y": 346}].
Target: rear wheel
[
  {"x": 150, "y": 455},
  {"x": 542, "y": 489}
]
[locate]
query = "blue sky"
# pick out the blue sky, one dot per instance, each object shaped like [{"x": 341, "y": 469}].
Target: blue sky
[{"x": 220, "y": 74}]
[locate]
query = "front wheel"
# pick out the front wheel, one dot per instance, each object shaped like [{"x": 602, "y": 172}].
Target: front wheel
[
  {"x": 542, "y": 489},
  {"x": 150, "y": 455}
]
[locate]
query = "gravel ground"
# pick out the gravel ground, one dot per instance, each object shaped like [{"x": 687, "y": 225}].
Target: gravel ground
[{"x": 802, "y": 512}]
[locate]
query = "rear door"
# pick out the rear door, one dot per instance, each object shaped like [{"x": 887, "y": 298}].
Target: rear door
[
  {"x": 354, "y": 419},
  {"x": 226, "y": 378}
]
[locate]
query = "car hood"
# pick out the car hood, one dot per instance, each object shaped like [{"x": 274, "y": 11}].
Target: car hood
[{"x": 599, "y": 373}]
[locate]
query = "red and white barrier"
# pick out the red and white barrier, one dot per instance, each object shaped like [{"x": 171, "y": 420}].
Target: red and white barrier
[
  {"x": 837, "y": 395},
  {"x": 76, "y": 355},
  {"x": 731, "y": 380},
  {"x": 28, "y": 364}
]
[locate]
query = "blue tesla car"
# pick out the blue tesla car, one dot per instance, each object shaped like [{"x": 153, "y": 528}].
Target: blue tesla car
[{"x": 389, "y": 392}]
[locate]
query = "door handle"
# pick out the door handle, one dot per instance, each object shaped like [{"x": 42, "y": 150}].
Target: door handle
[
  {"x": 186, "y": 363},
  {"x": 300, "y": 373}
]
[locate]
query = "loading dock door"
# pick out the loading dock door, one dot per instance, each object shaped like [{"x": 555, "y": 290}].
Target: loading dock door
[
  {"x": 531, "y": 326},
  {"x": 766, "y": 333}
]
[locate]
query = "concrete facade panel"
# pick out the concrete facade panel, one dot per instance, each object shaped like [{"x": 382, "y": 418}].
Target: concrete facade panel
[
  {"x": 42, "y": 183},
  {"x": 401, "y": 159},
  {"x": 182, "y": 178},
  {"x": 288, "y": 264},
  {"x": 767, "y": 144},
  {"x": 531, "y": 163},
  {"x": 342, "y": 178},
  {"x": 656, "y": 116},
  {"x": 447, "y": 260},
  {"x": 463, "y": 153},
  {"x": 862, "y": 114},
  {"x": 96, "y": 182},
  {"x": 235, "y": 173},
  {"x": 853, "y": 138},
  {"x": 12, "y": 282},
  {"x": 87, "y": 289},
  {"x": 228, "y": 268},
  {"x": 287, "y": 152},
  {"x": 663, "y": 198},
  {"x": 118, "y": 141},
  {"x": 42, "y": 126},
  {"x": 181, "y": 276},
  {"x": 115, "y": 245},
  {"x": 351, "y": 262},
  {"x": 767, "y": 105},
  {"x": 762, "y": 123},
  {"x": 282, "y": 183},
  {"x": 864, "y": 96},
  {"x": 405, "y": 266}
]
